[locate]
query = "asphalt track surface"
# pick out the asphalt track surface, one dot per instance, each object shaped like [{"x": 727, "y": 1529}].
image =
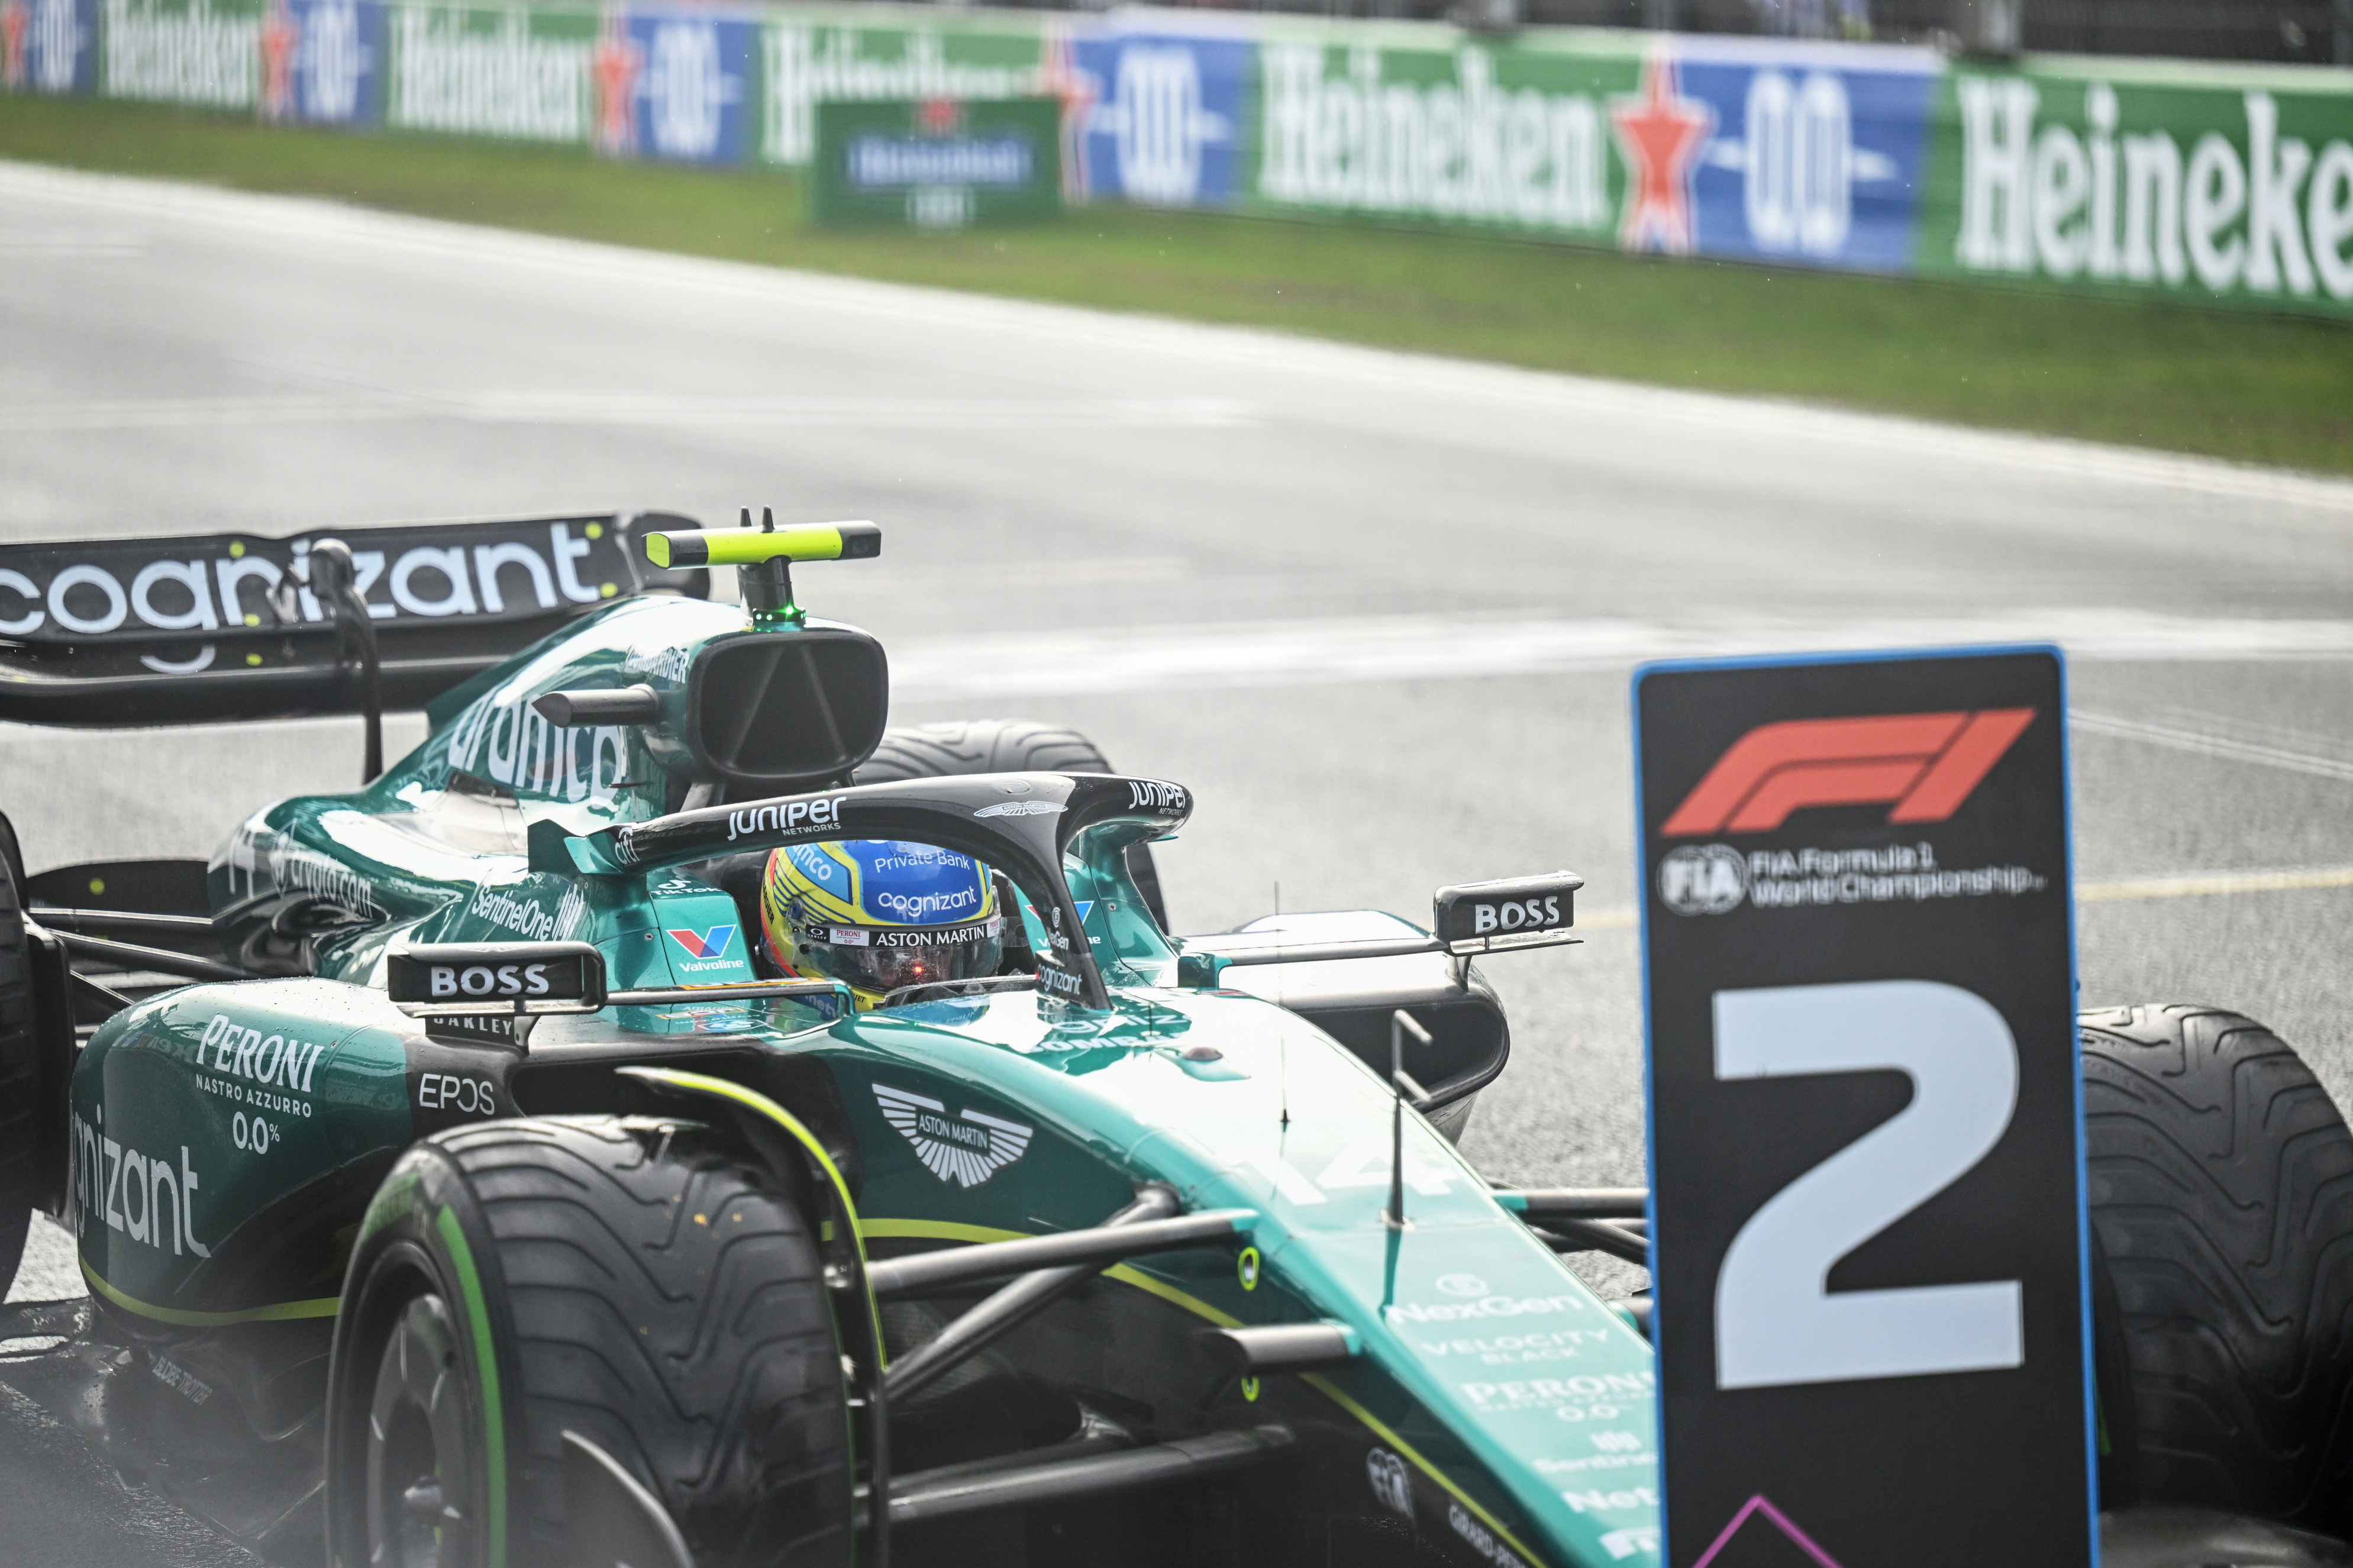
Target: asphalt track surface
[{"x": 1378, "y": 610}]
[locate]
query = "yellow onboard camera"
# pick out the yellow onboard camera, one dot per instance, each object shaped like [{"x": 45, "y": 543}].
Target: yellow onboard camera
[{"x": 763, "y": 556}]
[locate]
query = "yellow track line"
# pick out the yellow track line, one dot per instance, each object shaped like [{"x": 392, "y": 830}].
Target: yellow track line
[{"x": 2205, "y": 884}]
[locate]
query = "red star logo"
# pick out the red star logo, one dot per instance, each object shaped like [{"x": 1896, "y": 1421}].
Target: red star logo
[
  {"x": 1660, "y": 132},
  {"x": 280, "y": 35},
  {"x": 13, "y": 24},
  {"x": 939, "y": 117},
  {"x": 1078, "y": 90},
  {"x": 613, "y": 68}
]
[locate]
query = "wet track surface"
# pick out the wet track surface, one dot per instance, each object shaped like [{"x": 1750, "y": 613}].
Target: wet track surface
[{"x": 1379, "y": 612}]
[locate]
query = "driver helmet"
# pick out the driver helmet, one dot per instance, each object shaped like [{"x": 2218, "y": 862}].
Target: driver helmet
[{"x": 880, "y": 914}]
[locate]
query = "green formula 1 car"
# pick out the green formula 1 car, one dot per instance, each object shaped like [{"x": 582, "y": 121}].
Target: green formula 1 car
[{"x": 451, "y": 1189}]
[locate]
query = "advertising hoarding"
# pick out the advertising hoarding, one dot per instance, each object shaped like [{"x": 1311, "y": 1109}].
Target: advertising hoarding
[
  {"x": 48, "y": 46},
  {"x": 936, "y": 162},
  {"x": 839, "y": 57},
  {"x": 2180, "y": 181},
  {"x": 1155, "y": 115},
  {"x": 2166, "y": 180}
]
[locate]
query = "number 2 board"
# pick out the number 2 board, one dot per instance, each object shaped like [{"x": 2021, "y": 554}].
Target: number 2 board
[{"x": 1866, "y": 1153}]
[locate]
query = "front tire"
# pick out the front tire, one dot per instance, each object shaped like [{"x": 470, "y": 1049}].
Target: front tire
[
  {"x": 2221, "y": 1204},
  {"x": 20, "y": 1071},
  {"x": 627, "y": 1279}
]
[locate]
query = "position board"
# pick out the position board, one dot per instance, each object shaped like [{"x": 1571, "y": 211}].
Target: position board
[{"x": 1865, "y": 1152}]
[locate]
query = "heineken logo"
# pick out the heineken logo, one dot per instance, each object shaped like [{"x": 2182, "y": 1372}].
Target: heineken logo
[
  {"x": 1340, "y": 133},
  {"x": 806, "y": 65},
  {"x": 518, "y": 78},
  {"x": 200, "y": 55},
  {"x": 2091, "y": 188}
]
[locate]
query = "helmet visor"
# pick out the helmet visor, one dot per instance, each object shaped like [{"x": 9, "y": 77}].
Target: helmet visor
[{"x": 890, "y": 957}]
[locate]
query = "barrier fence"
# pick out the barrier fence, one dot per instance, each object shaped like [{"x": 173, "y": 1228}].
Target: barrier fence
[{"x": 2170, "y": 180}]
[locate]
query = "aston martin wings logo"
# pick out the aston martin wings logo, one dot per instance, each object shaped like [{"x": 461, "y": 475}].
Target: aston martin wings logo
[{"x": 966, "y": 1149}]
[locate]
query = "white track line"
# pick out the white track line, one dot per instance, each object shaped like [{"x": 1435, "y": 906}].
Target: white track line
[
  {"x": 1439, "y": 648},
  {"x": 2202, "y": 744},
  {"x": 642, "y": 409}
]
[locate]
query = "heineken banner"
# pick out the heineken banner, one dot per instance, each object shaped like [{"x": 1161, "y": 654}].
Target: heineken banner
[
  {"x": 2170, "y": 180},
  {"x": 849, "y": 58},
  {"x": 308, "y": 61},
  {"x": 653, "y": 84},
  {"x": 48, "y": 46},
  {"x": 936, "y": 162},
  {"x": 2195, "y": 184},
  {"x": 1698, "y": 146}
]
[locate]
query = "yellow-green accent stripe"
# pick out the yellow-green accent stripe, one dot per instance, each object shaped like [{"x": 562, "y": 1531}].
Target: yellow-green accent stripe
[
  {"x": 486, "y": 1360},
  {"x": 277, "y": 1311},
  {"x": 1168, "y": 1292},
  {"x": 948, "y": 1230},
  {"x": 1325, "y": 1386},
  {"x": 938, "y": 1230}
]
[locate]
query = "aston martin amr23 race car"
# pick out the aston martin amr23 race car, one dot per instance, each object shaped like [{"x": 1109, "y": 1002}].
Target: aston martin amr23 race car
[{"x": 452, "y": 1188}]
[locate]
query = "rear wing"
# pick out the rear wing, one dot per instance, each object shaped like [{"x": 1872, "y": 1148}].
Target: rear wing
[{"x": 211, "y": 627}]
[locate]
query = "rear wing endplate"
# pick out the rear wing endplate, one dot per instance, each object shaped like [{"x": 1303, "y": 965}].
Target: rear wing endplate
[{"x": 212, "y": 627}]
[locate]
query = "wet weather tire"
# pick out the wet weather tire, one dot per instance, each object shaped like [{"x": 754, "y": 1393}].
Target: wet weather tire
[
  {"x": 20, "y": 1101},
  {"x": 627, "y": 1279},
  {"x": 1003, "y": 746},
  {"x": 2222, "y": 1200}
]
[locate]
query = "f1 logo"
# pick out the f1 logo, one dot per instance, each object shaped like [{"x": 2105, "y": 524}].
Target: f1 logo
[{"x": 1924, "y": 764}]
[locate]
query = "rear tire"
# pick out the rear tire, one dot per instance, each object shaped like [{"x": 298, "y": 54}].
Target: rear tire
[
  {"x": 20, "y": 1073},
  {"x": 1003, "y": 746},
  {"x": 2222, "y": 1203},
  {"x": 628, "y": 1279}
]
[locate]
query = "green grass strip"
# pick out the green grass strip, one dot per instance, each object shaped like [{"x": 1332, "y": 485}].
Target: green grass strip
[
  {"x": 486, "y": 1360},
  {"x": 2228, "y": 384}
]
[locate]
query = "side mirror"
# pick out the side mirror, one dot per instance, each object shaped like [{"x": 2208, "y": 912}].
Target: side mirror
[
  {"x": 478, "y": 992},
  {"x": 495, "y": 977},
  {"x": 1518, "y": 911}
]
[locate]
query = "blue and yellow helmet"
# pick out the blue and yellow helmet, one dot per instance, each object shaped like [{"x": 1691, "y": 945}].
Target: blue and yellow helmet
[{"x": 881, "y": 914}]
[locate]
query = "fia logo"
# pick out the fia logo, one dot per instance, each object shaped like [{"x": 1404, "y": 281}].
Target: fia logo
[
  {"x": 1703, "y": 879},
  {"x": 1392, "y": 1483}
]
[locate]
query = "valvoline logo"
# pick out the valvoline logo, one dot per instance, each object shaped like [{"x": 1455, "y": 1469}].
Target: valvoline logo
[
  {"x": 704, "y": 939},
  {"x": 704, "y": 945}
]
